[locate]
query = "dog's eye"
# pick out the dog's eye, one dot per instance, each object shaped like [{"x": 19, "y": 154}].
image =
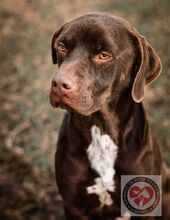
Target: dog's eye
[
  {"x": 61, "y": 48},
  {"x": 104, "y": 56}
]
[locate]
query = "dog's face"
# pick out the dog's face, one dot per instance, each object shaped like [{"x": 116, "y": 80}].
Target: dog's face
[{"x": 98, "y": 56}]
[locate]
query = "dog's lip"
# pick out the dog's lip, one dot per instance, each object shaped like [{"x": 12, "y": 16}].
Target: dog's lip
[
  {"x": 61, "y": 101},
  {"x": 69, "y": 104}
]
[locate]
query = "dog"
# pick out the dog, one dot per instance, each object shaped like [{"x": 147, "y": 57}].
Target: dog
[{"x": 105, "y": 66}]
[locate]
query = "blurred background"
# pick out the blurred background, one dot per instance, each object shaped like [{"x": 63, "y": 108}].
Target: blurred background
[{"x": 28, "y": 124}]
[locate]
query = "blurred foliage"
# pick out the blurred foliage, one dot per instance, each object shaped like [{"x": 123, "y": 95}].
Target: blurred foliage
[{"x": 28, "y": 124}]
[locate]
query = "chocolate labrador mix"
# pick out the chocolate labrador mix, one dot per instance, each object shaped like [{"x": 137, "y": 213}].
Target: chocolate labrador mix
[{"x": 105, "y": 66}]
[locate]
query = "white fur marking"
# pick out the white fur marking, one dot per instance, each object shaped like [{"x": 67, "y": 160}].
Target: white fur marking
[{"x": 102, "y": 153}]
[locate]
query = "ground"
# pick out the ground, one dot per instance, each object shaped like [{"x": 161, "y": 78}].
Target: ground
[{"x": 28, "y": 124}]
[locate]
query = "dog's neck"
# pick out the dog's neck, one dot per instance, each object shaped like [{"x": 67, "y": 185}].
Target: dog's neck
[{"x": 122, "y": 119}]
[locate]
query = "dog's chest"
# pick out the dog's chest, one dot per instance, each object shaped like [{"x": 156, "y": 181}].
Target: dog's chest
[{"x": 102, "y": 155}]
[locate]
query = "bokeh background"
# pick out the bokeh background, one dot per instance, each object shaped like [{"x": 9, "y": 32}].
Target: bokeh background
[{"x": 28, "y": 124}]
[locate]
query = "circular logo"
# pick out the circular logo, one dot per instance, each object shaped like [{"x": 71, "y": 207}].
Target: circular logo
[{"x": 141, "y": 195}]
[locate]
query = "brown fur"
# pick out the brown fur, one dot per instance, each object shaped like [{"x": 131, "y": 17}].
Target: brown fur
[{"x": 107, "y": 94}]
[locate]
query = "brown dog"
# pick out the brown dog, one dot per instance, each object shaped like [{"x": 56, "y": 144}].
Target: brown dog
[{"x": 104, "y": 68}]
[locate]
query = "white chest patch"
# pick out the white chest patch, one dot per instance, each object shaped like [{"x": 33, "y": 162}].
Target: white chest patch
[{"x": 102, "y": 153}]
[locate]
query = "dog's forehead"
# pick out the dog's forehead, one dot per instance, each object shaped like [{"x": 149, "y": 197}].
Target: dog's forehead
[
  {"x": 94, "y": 28},
  {"x": 85, "y": 30}
]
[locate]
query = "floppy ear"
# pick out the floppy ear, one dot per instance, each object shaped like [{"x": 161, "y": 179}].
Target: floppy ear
[
  {"x": 149, "y": 68},
  {"x": 55, "y": 36}
]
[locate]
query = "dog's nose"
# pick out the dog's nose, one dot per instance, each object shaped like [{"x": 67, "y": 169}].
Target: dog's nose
[{"x": 62, "y": 85}]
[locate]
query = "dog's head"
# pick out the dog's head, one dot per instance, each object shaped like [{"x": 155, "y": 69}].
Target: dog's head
[{"x": 98, "y": 56}]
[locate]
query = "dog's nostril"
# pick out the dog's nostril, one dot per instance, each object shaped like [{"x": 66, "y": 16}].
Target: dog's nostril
[
  {"x": 66, "y": 86},
  {"x": 54, "y": 84},
  {"x": 62, "y": 85}
]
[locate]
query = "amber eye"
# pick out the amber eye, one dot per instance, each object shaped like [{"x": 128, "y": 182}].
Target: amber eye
[
  {"x": 104, "y": 56},
  {"x": 61, "y": 48}
]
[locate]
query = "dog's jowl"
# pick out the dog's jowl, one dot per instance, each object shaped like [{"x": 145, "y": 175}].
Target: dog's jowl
[{"x": 104, "y": 68}]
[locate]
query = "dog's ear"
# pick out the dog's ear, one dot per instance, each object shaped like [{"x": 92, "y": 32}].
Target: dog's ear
[
  {"x": 55, "y": 36},
  {"x": 149, "y": 68}
]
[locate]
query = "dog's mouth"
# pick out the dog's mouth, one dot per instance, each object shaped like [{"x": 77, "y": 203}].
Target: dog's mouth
[
  {"x": 70, "y": 104},
  {"x": 65, "y": 106},
  {"x": 58, "y": 101}
]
